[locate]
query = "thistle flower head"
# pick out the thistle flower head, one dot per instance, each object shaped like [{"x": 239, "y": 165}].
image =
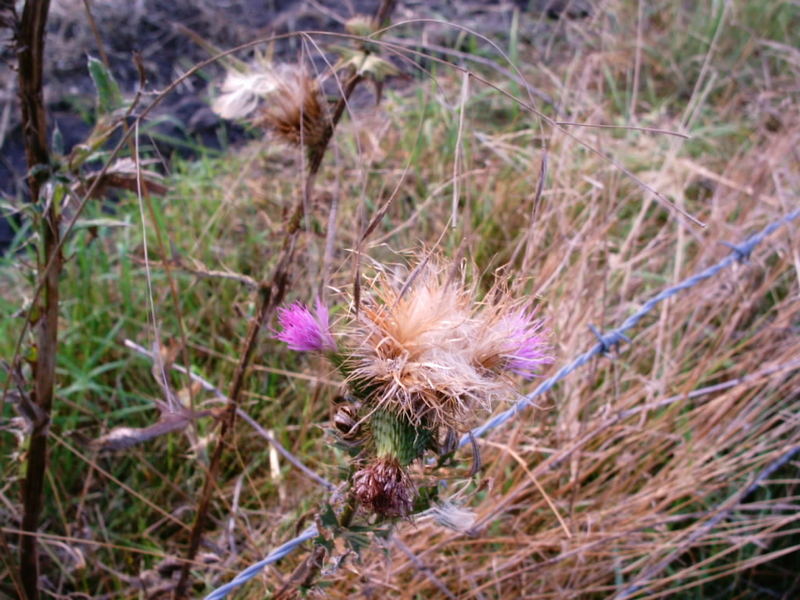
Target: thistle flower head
[
  {"x": 527, "y": 345},
  {"x": 512, "y": 340},
  {"x": 413, "y": 349},
  {"x": 435, "y": 354},
  {"x": 305, "y": 331},
  {"x": 383, "y": 487}
]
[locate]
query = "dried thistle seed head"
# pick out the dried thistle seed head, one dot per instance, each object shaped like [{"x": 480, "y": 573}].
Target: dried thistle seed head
[
  {"x": 430, "y": 351},
  {"x": 295, "y": 111},
  {"x": 384, "y": 488},
  {"x": 241, "y": 92},
  {"x": 413, "y": 349}
]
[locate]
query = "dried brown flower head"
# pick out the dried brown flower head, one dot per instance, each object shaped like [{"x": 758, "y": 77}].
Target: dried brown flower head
[
  {"x": 295, "y": 110},
  {"x": 286, "y": 99},
  {"x": 383, "y": 487}
]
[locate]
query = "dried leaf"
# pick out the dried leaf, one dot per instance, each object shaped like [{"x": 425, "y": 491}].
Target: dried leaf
[
  {"x": 123, "y": 175},
  {"x": 121, "y": 438}
]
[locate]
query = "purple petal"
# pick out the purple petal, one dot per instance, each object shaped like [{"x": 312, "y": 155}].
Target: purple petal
[
  {"x": 528, "y": 348},
  {"x": 304, "y": 331}
]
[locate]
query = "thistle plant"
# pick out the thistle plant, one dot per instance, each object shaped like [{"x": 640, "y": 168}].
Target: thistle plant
[
  {"x": 283, "y": 99},
  {"x": 290, "y": 104},
  {"x": 422, "y": 362},
  {"x": 305, "y": 331}
]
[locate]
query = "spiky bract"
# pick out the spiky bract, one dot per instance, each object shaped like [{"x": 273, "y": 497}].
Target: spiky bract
[{"x": 393, "y": 435}]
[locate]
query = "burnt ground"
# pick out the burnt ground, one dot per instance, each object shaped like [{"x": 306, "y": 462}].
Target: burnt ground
[{"x": 162, "y": 33}]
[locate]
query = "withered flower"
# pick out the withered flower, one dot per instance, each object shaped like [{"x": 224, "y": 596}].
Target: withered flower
[
  {"x": 421, "y": 360},
  {"x": 385, "y": 488},
  {"x": 435, "y": 354},
  {"x": 286, "y": 100},
  {"x": 295, "y": 111},
  {"x": 242, "y": 92}
]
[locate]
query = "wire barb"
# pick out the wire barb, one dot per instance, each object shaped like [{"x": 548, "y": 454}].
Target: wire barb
[
  {"x": 741, "y": 251},
  {"x": 609, "y": 340}
]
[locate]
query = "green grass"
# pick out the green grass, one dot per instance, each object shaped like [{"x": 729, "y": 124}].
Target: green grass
[{"x": 597, "y": 249}]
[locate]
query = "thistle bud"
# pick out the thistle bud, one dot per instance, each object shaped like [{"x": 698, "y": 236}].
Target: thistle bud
[{"x": 384, "y": 488}]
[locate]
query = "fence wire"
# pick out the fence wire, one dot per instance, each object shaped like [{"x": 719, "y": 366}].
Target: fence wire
[{"x": 739, "y": 253}]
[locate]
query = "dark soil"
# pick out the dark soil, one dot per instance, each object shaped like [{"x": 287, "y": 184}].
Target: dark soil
[{"x": 161, "y": 33}]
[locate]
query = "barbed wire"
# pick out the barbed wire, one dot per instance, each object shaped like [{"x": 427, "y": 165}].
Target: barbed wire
[
  {"x": 739, "y": 253},
  {"x": 255, "y": 569}
]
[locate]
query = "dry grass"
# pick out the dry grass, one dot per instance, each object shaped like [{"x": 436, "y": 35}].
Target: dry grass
[
  {"x": 645, "y": 458},
  {"x": 635, "y": 471}
]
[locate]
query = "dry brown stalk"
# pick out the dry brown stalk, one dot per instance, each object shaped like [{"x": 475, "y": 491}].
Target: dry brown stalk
[
  {"x": 269, "y": 296},
  {"x": 30, "y": 40},
  {"x": 304, "y": 575}
]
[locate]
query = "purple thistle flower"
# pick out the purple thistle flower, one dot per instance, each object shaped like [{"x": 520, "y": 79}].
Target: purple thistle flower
[
  {"x": 304, "y": 331},
  {"x": 528, "y": 348}
]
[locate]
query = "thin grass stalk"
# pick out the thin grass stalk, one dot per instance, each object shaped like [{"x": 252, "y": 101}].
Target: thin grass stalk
[
  {"x": 30, "y": 41},
  {"x": 133, "y": 143}
]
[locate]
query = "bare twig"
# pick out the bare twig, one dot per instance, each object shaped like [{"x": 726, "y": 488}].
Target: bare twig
[
  {"x": 481, "y": 60},
  {"x": 31, "y": 53},
  {"x": 87, "y": 5},
  {"x": 203, "y": 272},
  {"x": 304, "y": 575},
  {"x": 206, "y": 385},
  {"x": 270, "y": 295}
]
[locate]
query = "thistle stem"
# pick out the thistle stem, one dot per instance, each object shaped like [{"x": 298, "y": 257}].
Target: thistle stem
[{"x": 270, "y": 295}]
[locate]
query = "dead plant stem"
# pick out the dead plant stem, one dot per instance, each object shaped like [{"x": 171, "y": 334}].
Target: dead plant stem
[
  {"x": 269, "y": 296},
  {"x": 45, "y": 320}
]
